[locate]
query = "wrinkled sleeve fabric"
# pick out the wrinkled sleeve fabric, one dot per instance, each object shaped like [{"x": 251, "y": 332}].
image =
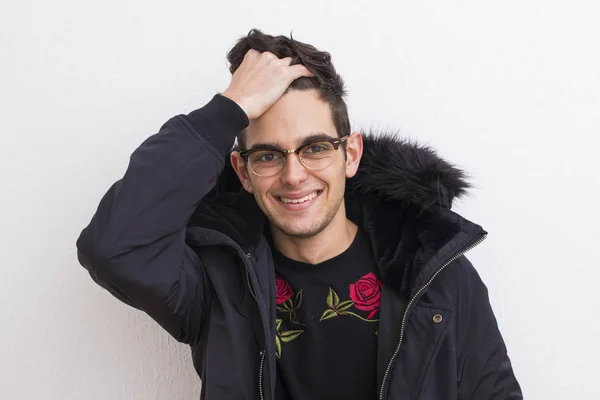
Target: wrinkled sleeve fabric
[
  {"x": 484, "y": 368},
  {"x": 135, "y": 245}
]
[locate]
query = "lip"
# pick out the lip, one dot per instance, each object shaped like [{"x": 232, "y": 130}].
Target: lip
[{"x": 298, "y": 206}]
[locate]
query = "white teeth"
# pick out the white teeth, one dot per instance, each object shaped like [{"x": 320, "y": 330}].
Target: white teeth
[{"x": 300, "y": 200}]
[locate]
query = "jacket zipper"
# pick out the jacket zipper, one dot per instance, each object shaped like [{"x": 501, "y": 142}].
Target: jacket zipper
[
  {"x": 262, "y": 352},
  {"x": 262, "y": 362},
  {"x": 408, "y": 307}
]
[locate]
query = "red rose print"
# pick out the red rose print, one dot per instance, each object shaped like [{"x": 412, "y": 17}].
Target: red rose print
[
  {"x": 284, "y": 290},
  {"x": 366, "y": 293}
]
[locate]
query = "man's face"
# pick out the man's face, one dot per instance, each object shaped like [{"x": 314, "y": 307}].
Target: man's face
[{"x": 298, "y": 201}]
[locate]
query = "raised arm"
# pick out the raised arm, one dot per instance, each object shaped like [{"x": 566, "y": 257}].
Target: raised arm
[{"x": 135, "y": 245}]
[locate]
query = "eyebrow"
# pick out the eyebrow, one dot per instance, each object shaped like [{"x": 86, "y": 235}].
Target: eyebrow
[{"x": 305, "y": 140}]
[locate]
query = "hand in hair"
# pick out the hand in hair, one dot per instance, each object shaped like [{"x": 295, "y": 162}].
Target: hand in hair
[{"x": 261, "y": 79}]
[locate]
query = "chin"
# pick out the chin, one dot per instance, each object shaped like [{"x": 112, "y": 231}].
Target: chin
[
  {"x": 303, "y": 226},
  {"x": 306, "y": 229}
]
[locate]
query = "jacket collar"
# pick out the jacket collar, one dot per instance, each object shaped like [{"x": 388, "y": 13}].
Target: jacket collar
[{"x": 401, "y": 196}]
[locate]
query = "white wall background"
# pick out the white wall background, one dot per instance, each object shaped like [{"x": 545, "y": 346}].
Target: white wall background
[{"x": 508, "y": 90}]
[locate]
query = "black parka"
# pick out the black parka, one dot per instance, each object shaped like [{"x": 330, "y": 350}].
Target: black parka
[{"x": 177, "y": 238}]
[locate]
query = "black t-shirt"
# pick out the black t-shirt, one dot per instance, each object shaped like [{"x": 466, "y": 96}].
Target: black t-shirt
[{"x": 327, "y": 322}]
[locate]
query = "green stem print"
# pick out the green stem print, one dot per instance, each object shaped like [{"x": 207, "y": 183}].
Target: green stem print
[{"x": 337, "y": 308}]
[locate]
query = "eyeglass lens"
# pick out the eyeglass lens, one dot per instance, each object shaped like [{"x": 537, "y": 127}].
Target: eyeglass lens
[{"x": 315, "y": 156}]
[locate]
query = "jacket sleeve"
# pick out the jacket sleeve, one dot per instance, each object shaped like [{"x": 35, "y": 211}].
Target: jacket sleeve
[
  {"x": 134, "y": 245},
  {"x": 484, "y": 368}
]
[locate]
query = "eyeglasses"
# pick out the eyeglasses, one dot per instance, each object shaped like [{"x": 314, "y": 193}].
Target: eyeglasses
[{"x": 315, "y": 155}]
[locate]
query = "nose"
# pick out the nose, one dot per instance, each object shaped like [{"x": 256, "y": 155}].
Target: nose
[{"x": 293, "y": 171}]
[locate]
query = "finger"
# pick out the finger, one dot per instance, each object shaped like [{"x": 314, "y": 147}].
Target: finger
[
  {"x": 299, "y": 70},
  {"x": 249, "y": 59},
  {"x": 251, "y": 54},
  {"x": 286, "y": 61},
  {"x": 268, "y": 56}
]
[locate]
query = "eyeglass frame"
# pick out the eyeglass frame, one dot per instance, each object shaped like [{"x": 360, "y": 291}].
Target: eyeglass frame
[{"x": 335, "y": 142}]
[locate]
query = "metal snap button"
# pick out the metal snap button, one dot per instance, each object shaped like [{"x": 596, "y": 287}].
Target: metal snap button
[{"x": 437, "y": 318}]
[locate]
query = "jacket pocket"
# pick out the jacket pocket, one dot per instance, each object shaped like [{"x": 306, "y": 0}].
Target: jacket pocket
[{"x": 425, "y": 334}]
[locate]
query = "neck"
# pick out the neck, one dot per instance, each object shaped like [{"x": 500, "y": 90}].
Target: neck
[{"x": 328, "y": 243}]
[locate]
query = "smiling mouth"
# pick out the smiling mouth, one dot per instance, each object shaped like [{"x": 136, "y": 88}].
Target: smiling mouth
[{"x": 301, "y": 200}]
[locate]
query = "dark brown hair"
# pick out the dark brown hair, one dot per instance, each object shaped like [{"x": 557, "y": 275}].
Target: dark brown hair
[{"x": 326, "y": 80}]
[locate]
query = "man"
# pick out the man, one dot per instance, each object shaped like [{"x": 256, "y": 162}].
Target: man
[{"x": 317, "y": 278}]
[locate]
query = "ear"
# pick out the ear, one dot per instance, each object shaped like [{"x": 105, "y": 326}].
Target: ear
[
  {"x": 354, "y": 150},
  {"x": 239, "y": 166}
]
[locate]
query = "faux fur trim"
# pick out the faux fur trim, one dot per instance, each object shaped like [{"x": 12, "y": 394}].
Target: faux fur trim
[{"x": 405, "y": 171}]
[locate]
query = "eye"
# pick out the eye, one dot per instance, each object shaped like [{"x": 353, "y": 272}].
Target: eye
[
  {"x": 266, "y": 157},
  {"x": 317, "y": 148}
]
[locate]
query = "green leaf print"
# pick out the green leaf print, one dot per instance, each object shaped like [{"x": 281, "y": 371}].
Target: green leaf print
[
  {"x": 344, "y": 305},
  {"x": 298, "y": 299},
  {"x": 277, "y": 346},
  {"x": 289, "y": 306},
  {"x": 332, "y": 299},
  {"x": 329, "y": 313},
  {"x": 288, "y": 336}
]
